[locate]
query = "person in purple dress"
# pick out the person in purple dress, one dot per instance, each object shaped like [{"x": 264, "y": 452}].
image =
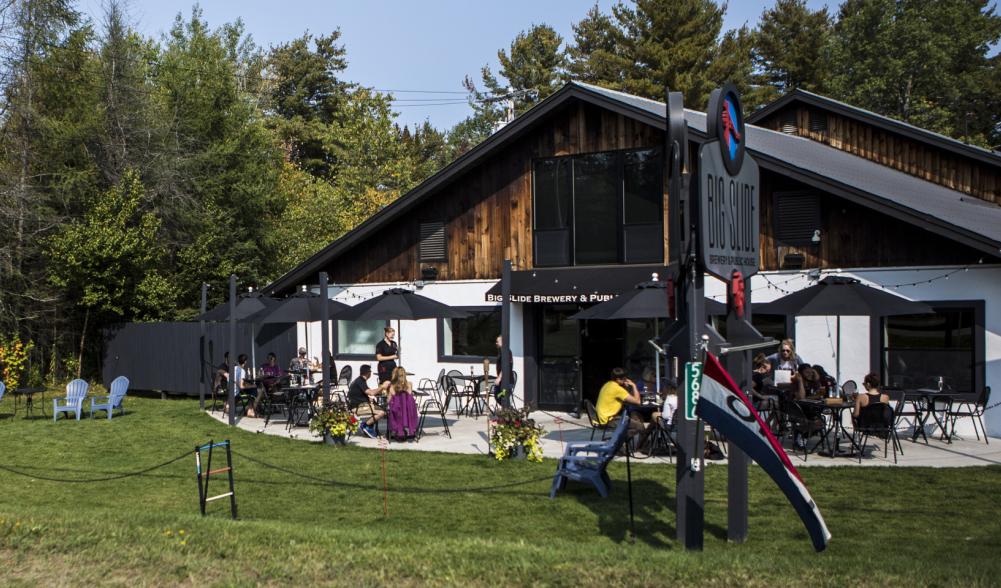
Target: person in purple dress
[{"x": 402, "y": 406}]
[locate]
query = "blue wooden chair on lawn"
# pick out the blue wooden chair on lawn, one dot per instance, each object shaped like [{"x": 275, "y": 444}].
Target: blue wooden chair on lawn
[
  {"x": 3, "y": 388},
  {"x": 591, "y": 466},
  {"x": 119, "y": 386},
  {"x": 76, "y": 391}
]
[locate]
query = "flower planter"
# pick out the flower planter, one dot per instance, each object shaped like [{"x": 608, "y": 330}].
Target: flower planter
[{"x": 335, "y": 439}]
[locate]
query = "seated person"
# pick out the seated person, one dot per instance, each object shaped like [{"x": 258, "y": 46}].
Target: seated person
[
  {"x": 244, "y": 386},
  {"x": 827, "y": 381},
  {"x": 618, "y": 393},
  {"x": 271, "y": 372},
  {"x": 670, "y": 395},
  {"x": 359, "y": 395},
  {"x": 221, "y": 373},
  {"x": 811, "y": 386},
  {"x": 402, "y": 406},
  {"x": 872, "y": 395},
  {"x": 300, "y": 363},
  {"x": 648, "y": 382}
]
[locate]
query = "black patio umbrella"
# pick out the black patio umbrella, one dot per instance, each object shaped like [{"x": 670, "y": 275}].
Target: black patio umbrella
[
  {"x": 842, "y": 296},
  {"x": 646, "y": 300},
  {"x": 399, "y": 304},
  {"x": 301, "y": 307},
  {"x": 248, "y": 305}
]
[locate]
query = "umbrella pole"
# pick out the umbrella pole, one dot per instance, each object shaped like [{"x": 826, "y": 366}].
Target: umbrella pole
[
  {"x": 837, "y": 359},
  {"x": 656, "y": 354},
  {"x": 253, "y": 350}
]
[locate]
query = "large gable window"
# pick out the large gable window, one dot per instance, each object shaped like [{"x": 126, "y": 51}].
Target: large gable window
[{"x": 599, "y": 208}]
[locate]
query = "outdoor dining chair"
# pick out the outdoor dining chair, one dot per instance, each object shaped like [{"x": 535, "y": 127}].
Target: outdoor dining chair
[
  {"x": 876, "y": 420},
  {"x": 592, "y": 417},
  {"x": 804, "y": 426},
  {"x": 962, "y": 408},
  {"x": 434, "y": 404},
  {"x": 116, "y": 394},
  {"x": 76, "y": 391}
]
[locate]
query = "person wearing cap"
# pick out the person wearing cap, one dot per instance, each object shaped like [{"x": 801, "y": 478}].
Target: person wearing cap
[
  {"x": 360, "y": 400},
  {"x": 300, "y": 363}
]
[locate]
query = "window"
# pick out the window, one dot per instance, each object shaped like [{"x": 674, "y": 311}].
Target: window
[
  {"x": 553, "y": 211},
  {"x": 432, "y": 244},
  {"x": 797, "y": 216},
  {"x": 918, "y": 349},
  {"x": 474, "y": 337},
  {"x": 595, "y": 191},
  {"x": 359, "y": 337},
  {"x": 599, "y": 208}
]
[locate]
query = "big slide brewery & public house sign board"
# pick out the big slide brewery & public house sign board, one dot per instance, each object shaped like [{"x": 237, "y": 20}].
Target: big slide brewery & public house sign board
[{"x": 728, "y": 190}]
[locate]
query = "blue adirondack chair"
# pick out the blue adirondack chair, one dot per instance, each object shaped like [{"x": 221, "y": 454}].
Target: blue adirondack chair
[
  {"x": 3, "y": 388},
  {"x": 585, "y": 461},
  {"x": 119, "y": 386},
  {"x": 76, "y": 391}
]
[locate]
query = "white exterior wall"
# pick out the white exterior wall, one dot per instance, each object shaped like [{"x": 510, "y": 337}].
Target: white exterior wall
[
  {"x": 816, "y": 337},
  {"x": 419, "y": 339}
]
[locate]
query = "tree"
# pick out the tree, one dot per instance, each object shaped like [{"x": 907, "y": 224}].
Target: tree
[
  {"x": 108, "y": 261},
  {"x": 790, "y": 47},
  {"x": 648, "y": 45},
  {"x": 920, "y": 61},
  {"x": 306, "y": 96},
  {"x": 596, "y": 57}
]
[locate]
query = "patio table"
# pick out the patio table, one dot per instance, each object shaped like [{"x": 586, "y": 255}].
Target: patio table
[
  {"x": 837, "y": 427},
  {"x": 480, "y": 388},
  {"x": 28, "y": 394},
  {"x": 302, "y": 400},
  {"x": 924, "y": 401}
]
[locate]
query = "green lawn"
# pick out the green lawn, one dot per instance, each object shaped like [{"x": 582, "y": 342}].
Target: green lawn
[{"x": 452, "y": 519}]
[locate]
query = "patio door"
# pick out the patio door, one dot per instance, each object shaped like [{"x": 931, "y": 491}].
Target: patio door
[{"x": 560, "y": 359}]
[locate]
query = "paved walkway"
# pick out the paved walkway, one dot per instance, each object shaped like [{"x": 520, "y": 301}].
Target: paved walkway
[{"x": 469, "y": 435}]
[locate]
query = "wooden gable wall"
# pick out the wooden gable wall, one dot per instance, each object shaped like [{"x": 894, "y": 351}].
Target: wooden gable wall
[
  {"x": 910, "y": 156},
  {"x": 854, "y": 236},
  {"x": 488, "y": 214},
  {"x": 488, "y": 210}
]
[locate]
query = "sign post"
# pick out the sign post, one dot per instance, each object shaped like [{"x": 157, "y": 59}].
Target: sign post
[{"x": 729, "y": 194}]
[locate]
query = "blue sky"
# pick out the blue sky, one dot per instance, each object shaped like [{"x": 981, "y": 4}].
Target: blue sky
[{"x": 402, "y": 45}]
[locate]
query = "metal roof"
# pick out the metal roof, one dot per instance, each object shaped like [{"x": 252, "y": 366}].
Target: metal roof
[
  {"x": 879, "y": 120},
  {"x": 961, "y": 217}
]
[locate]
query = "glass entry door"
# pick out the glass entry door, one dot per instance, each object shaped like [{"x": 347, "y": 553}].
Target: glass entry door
[{"x": 560, "y": 361}]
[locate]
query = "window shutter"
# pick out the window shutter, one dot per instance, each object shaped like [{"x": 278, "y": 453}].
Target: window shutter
[
  {"x": 789, "y": 124},
  {"x": 818, "y": 122},
  {"x": 432, "y": 243},
  {"x": 797, "y": 216}
]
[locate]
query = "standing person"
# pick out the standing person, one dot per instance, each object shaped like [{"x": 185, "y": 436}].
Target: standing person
[
  {"x": 402, "y": 406},
  {"x": 359, "y": 400},
  {"x": 501, "y": 395},
  {"x": 387, "y": 351},
  {"x": 785, "y": 372}
]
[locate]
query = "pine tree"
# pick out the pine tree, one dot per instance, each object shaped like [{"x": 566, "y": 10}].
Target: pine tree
[
  {"x": 790, "y": 47},
  {"x": 647, "y": 45},
  {"x": 920, "y": 61}
]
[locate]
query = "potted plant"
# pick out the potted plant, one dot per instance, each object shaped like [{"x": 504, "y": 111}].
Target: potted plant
[
  {"x": 513, "y": 433},
  {"x": 334, "y": 419}
]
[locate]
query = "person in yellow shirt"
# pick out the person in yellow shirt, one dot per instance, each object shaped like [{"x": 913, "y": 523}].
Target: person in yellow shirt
[
  {"x": 614, "y": 394},
  {"x": 618, "y": 392}
]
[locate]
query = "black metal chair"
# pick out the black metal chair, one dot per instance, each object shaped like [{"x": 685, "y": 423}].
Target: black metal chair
[
  {"x": 592, "y": 417},
  {"x": 877, "y": 420},
  {"x": 974, "y": 409},
  {"x": 434, "y": 405},
  {"x": 344, "y": 378},
  {"x": 462, "y": 393},
  {"x": 804, "y": 426}
]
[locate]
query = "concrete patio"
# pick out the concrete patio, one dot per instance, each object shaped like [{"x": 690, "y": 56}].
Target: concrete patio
[{"x": 469, "y": 436}]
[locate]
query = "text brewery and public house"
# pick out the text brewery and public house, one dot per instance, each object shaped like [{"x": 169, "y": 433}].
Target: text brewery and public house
[{"x": 574, "y": 193}]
